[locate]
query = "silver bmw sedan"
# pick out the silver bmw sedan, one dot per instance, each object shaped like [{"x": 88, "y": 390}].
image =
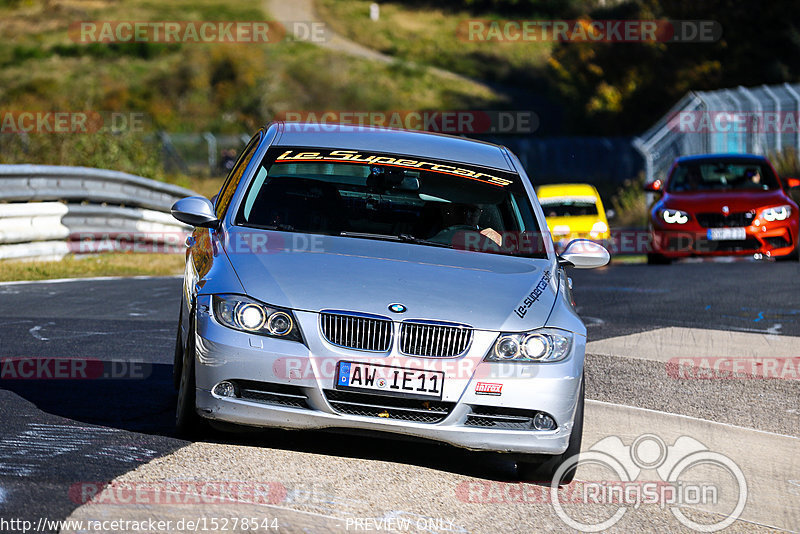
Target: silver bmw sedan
[{"x": 351, "y": 277}]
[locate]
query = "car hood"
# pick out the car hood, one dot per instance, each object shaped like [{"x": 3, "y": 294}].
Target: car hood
[
  {"x": 736, "y": 201},
  {"x": 314, "y": 273}
]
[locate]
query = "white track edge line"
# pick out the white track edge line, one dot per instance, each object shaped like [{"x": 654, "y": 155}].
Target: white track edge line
[
  {"x": 88, "y": 279},
  {"x": 650, "y": 410}
]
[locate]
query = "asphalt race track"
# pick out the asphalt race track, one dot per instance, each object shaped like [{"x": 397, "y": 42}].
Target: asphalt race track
[
  {"x": 58, "y": 437},
  {"x": 745, "y": 296}
]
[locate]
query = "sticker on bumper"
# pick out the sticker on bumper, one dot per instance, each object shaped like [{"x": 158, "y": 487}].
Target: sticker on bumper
[{"x": 488, "y": 388}]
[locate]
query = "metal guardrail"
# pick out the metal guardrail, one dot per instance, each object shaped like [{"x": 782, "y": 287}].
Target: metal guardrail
[
  {"x": 759, "y": 120},
  {"x": 30, "y": 183},
  {"x": 49, "y": 211}
]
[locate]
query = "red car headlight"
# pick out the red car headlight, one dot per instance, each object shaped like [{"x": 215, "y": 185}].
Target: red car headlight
[
  {"x": 776, "y": 213},
  {"x": 674, "y": 216}
]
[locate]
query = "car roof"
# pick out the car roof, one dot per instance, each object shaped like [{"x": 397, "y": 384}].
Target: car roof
[
  {"x": 717, "y": 157},
  {"x": 392, "y": 141},
  {"x": 566, "y": 190}
]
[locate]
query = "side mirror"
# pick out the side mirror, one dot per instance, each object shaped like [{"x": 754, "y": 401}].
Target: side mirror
[
  {"x": 654, "y": 187},
  {"x": 195, "y": 211},
  {"x": 791, "y": 183},
  {"x": 610, "y": 214},
  {"x": 584, "y": 254}
]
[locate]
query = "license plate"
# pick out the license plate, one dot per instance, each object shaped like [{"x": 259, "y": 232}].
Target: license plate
[
  {"x": 387, "y": 380},
  {"x": 726, "y": 234}
]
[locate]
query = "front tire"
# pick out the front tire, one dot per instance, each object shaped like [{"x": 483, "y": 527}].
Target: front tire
[
  {"x": 187, "y": 422},
  {"x": 537, "y": 470},
  {"x": 177, "y": 362}
]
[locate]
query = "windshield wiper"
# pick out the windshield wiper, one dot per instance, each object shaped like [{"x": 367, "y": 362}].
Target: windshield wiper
[
  {"x": 418, "y": 241},
  {"x": 280, "y": 227},
  {"x": 401, "y": 238}
]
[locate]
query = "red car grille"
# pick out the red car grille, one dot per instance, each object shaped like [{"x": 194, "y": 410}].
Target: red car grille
[
  {"x": 778, "y": 241},
  {"x": 719, "y": 220},
  {"x": 728, "y": 246}
]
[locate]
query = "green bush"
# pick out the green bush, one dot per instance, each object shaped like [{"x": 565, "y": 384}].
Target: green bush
[
  {"x": 127, "y": 152},
  {"x": 622, "y": 88},
  {"x": 630, "y": 205},
  {"x": 786, "y": 162}
]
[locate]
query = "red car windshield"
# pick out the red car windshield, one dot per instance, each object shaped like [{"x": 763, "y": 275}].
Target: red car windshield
[{"x": 722, "y": 175}]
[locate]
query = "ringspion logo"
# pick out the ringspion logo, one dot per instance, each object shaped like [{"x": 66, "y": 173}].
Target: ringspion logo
[{"x": 619, "y": 478}]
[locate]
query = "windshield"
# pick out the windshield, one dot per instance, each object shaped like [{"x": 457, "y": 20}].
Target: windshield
[
  {"x": 722, "y": 175},
  {"x": 388, "y": 197},
  {"x": 568, "y": 207}
]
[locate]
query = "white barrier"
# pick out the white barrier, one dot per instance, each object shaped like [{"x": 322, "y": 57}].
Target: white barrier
[
  {"x": 40, "y": 250},
  {"x": 37, "y": 221},
  {"x": 50, "y": 211}
]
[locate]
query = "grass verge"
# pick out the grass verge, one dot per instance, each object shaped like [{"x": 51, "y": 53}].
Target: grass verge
[
  {"x": 112, "y": 264},
  {"x": 629, "y": 258}
]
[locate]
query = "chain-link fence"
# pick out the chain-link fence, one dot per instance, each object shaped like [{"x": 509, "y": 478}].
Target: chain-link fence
[
  {"x": 757, "y": 120},
  {"x": 201, "y": 154}
]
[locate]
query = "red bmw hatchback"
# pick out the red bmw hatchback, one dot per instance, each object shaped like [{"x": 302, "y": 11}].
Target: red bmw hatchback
[{"x": 722, "y": 204}]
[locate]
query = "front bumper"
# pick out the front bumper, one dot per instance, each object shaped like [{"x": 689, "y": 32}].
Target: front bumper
[
  {"x": 777, "y": 239},
  {"x": 225, "y": 354}
]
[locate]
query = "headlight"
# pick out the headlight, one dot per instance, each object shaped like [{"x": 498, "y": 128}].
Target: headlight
[
  {"x": 674, "y": 216},
  {"x": 778, "y": 213},
  {"x": 248, "y": 315},
  {"x": 542, "y": 345},
  {"x": 598, "y": 228}
]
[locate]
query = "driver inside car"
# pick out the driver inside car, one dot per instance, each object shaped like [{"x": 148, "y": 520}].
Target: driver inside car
[
  {"x": 464, "y": 218},
  {"x": 753, "y": 177}
]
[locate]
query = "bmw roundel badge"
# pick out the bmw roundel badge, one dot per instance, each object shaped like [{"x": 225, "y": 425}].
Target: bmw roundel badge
[{"x": 397, "y": 308}]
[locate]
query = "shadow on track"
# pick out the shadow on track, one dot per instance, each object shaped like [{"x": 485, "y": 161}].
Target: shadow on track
[{"x": 147, "y": 406}]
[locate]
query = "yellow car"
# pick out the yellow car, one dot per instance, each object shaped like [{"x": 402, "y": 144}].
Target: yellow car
[{"x": 573, "y": 211}]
